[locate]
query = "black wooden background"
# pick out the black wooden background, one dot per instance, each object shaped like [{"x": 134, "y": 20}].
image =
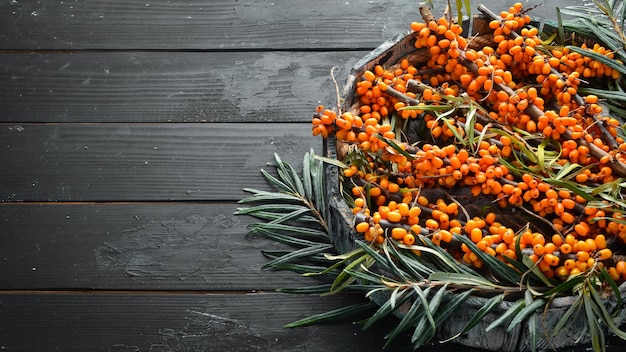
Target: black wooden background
[{"x": 128, "y": 130}]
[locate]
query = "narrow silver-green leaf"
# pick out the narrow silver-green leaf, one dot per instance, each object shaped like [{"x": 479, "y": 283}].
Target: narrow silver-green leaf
[
  {"x": 509, "y": 314},
  {"x": 606, "y": 318},
  {"x": 535, "y": 270},
  {"x": 317, "y": 177},
  {"x": 331, "y": 161},
  {"x": 425, "y": 330},
  {"x": 419, "y": 338},
  {"x": 451, "y": 263},
  {"x": 409, "y": 319},
  {"x": 308, "y": 290},
  {"x": 299, "y": 254},
  {"x": 480, "y": 314},
  {"x": 569, "y": 317},
  {"x": 282, "y": 238},
  {"x": 319, "y": 236},
  {"x": 307, "y": 164},
  {"x": 461, "y": 279},
  {"x": 332, "y": 315},
  {"x": 525, "y": 312},
  {"x": 279, "y": 209},
  {"x": 386, "y": 308}
]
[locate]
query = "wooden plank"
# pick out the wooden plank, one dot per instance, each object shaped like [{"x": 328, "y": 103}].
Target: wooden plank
[
  {"x": 143, "y": 162},
  {"x": 179, "y": 322},
  {"x": 168, "y": 86},
  {"x": 226, "y": 25},
  {"x": 124, "y": 322},
  {"x": 202, "y": 24},
  {"x": 158, "y": 246}
]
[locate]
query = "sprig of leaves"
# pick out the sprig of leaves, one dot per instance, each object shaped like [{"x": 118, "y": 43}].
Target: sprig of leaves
[{"x": 422, "y": 290}]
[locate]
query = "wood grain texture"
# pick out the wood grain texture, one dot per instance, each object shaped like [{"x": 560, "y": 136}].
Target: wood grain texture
[
  {"x": 143, "y": 162},
  {"x": 169, "y": 86},
  {"x": 202, "y": 24},
  {"x": 179, "y": 322},
  {"x": 163, "y": 246},
  {"x": 125, "y": 322}
]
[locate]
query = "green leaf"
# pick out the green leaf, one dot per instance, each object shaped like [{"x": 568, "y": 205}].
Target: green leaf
[
  {"x": 608, "y": 279},
  {"x": 344, "y": 279},
  {"x": 525, "y": 312},
  {"x": 395, "y": 147},
  {"x": 497, "y": 267},
  {"x": 306, "y": 270},
  {"x": 319, "y": 188},
  {"x": 461, "y": 279},
  {"x": 480, "y": 314},
  {"x": 366, "y": 276},
  {"x": 293, "y": 216},
  {"x": 569, "y": 317},
  {"x": 331, "y": 161},
  {"x": 271, "y": 197},
  {"x": 419, "y": 338},
  {"x": 282, "y": 238},
  {"x": 422, "y": 330},
  {"x": 380, "y": 260},
  {"x": 294, "y": 231},
  {"x": 510, "y": 312},
  {"x": 390, "y": 261},
  {"x": 308, "y": 290},
  {"x": 423, "y": 298},
  {"x": 332, "y": 315},
  {"x": 409, "y": 319},
  {"x": 448, "y": 261},
  {"x": 566, "y": 286},
  {"x": 307, "y": 164},
  {"x": 532, "y": 321},
  {"x": 605, "y": 317},
  {"x": 456, "y": 133},
  {"x": 299, "y": 254},
  {"x": 535, "y": 270},
  {"x": 597, "y": 335},
  {"x": 276, "y": 182},
  {"x": 387, "y": 308},
  {"x": 275, "y": 208},
  {"x": 560, "y": 30},
  {"x": 409, "y": 263}
]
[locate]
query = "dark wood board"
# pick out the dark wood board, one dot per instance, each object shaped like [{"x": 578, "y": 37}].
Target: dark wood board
[
  {"x": 177, "y": 322},
  {"x": 169, "y": 86},
  {"x": 135, "y": 246},
  {"x": 202, "y": 24},
  {"x": 143, "y": 162}
]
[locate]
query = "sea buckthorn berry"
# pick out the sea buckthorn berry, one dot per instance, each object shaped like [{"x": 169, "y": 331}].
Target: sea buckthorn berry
[
  {"x": 604, "y": 254},
  {"x": 398, "y": 233},
  {"x": 409, "y": 240}
]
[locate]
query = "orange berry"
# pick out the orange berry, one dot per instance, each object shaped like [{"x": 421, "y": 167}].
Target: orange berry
[{"x": 398, "y": 233}]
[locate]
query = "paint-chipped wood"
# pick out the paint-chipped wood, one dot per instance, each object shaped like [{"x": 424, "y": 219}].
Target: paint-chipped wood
[
  {"x": 169, "y": 86},
  {"x": 143, "y": 162}
]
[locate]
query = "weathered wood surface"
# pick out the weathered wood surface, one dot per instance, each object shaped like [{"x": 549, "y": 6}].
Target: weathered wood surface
[
  {"x": 143, "y": 162},
  {"x": 203, "y": 24},
  {"x": 125, "y": 322},
  {"x": 136, "y": 246},
  {"x": 271, "y": 86}
]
